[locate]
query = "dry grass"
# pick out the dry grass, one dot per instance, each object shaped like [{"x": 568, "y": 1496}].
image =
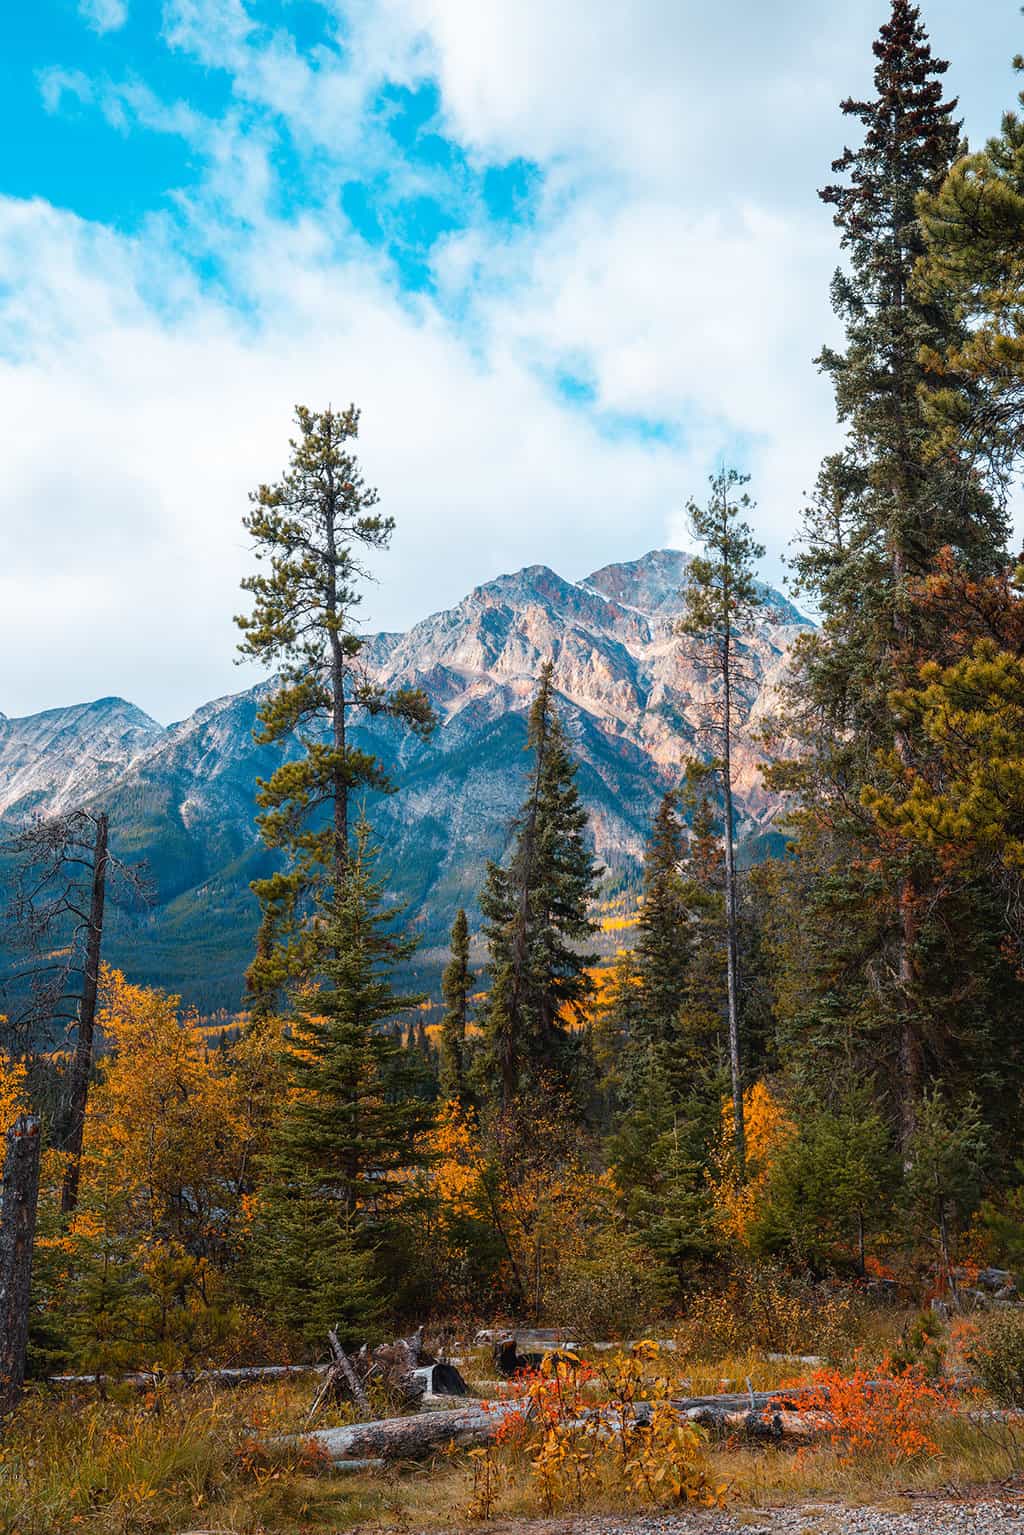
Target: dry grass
[{"x": 192, "y": 1461}]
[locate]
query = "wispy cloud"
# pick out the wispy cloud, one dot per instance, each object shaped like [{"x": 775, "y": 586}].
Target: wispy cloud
[{"x": 104, "y": 15}]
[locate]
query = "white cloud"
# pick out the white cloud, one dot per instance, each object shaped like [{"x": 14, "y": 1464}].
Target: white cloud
[
  {"x": 104, "y": 15},
  {"x": 134, "y": 441},
  {"x": 678, "y": 260}
]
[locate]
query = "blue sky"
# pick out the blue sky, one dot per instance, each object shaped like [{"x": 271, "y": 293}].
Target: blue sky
[{"x": 567, "y": 257}]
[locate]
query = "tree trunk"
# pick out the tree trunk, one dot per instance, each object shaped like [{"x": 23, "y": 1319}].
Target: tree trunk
[
  {"x": 17, "y": 1234},
  {"x": 947, "y": 1257},
  {"x": 911, "y": 1052},
  {"x": 731, "y": 957},
  {"x": 339, "y": 775},
  {"x": 81, "y": 1064}
]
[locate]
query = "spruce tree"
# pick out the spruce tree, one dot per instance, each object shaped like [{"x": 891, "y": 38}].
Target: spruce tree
[
  {"x": 309, "y": 1266},
  {"x": 721, "y": 599},
  {"x": 536, "y": 915},
  {"x": 974, "y": 230},
  {"x": 311, "y": 527},
  {"x": 703, "y": 1013},
  {"x": 672, "y": 1078},
  {"x": 884, "y": 508},
  {"x": 663, "y": 943},
  {"x": 456, "y": 983},
  {"x": 350, "y": 1130}
]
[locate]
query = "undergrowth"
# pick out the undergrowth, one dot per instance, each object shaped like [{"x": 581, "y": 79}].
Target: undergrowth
[{"x": 176, "y": 1460}]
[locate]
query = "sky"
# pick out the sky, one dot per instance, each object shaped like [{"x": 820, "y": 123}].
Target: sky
[{"x": 565, "y": 255}]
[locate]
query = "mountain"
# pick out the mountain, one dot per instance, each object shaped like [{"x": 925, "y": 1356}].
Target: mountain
[
  {"x": 182, "y": 797},
  {"x": 52, "y": 761}
]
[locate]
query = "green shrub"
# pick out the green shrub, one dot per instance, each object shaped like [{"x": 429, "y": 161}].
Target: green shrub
[
  {"x": 998, "y": 1356},
  {"x": 613, "y": 1291},
  {"x": 921, "y": 1346}
]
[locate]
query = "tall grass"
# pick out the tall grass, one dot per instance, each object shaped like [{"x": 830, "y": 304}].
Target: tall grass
[{"x": 174, "y": 1461}]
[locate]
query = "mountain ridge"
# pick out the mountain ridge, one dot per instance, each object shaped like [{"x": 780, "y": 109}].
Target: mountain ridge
[{"x": 182, "y": 796}]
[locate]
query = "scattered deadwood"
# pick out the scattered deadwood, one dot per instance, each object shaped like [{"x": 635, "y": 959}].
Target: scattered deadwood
[
  {"x": 340, "y": 1382},
  {"x": 404, "y": 1370}
]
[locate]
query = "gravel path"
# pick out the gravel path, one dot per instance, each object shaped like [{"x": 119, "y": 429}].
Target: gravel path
[{"x": 928, "y": 1516}]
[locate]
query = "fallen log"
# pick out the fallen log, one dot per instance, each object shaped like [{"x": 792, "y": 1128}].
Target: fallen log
[
  {"x": 749, "y": 1401},
  {"x": 765, "y": 1424},
  {"x": 771, "y": 1423},
  {"x": 412, "y": 1438},
  {"x": 416, "y": 1437},
  {"x": 145, "y": 1380}
]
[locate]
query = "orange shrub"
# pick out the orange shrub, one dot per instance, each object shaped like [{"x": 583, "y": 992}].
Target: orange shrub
[{"x": 895, "y": 1414}]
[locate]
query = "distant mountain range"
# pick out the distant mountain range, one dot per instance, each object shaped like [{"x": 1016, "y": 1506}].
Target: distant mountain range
[{"x": 182, "y": 797}]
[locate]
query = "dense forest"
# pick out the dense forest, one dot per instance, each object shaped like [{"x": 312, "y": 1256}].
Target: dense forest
[{"x": 809, "y": 1070}]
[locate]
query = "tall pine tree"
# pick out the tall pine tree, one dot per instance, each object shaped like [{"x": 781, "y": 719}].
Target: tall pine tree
[
  {"x": 721, "y": 599},
  {"x": 663, "y": 944},
  {"x": 883, "y": 510},
  {"x": 310, "y": 527},
  {"x": 536, "y": 913},
  {"x": 974, "y": 229}
]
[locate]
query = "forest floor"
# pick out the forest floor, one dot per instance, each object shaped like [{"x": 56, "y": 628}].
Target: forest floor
[{"x": 203, "y": 1462}]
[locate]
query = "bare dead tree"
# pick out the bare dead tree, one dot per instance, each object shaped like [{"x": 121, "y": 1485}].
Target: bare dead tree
[
  {"x": 18, "y": 1205},
  {"x": 64, "y": 868}
]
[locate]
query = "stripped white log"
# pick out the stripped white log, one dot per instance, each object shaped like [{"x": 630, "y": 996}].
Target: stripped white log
[
  {"x": 145, "y": 1380},
  {"x": 412, "y": 1438}
]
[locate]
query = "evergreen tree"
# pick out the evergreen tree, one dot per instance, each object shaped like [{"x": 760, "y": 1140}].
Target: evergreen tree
[
  {"x": 658, "y": 1159},
  {"x": 672, "y": 1081},
  {"x": 703, "y": 1016},
  {"x": 883, "y": 510},
  {"x": 309, "y": 527},
  {"x": 309, "y": 1265},
  {"x": 974, "y": 261},
  {"x": 663, "y": 947},
  {"x": 536, "y": 915},
  {"x": 945, "y": 1176},
  {"x": 456, "y": 983},
  {"x": 829, "y": 1185},
  {"x": 619, "y": 1015},
  {"x": 722, "y": 598},
  {"x": 350, "y": 1130}
]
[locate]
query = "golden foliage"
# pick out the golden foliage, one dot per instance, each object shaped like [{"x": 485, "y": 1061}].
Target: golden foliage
[
  {"x": 767, "y": 1128},
  {"x": 632, "y": 1441},
  {"x": 12, "y": 1094}
]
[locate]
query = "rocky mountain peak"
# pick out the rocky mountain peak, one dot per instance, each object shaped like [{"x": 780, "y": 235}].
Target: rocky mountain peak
[
  {"x": 51, "y": 761},
  {"x": 653, "y": 584}
]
